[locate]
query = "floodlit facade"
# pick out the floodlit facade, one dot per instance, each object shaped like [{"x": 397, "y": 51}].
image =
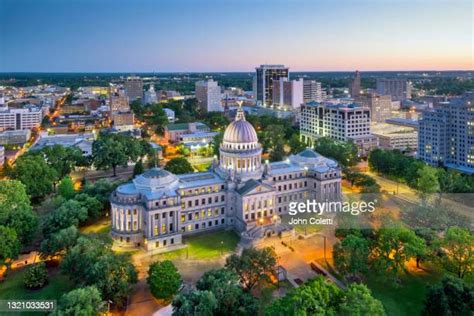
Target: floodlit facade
[
  {"x": 344, "y": 122},
  {"x": 288, "y": 94},
  {"x": 239, "y": 192}
]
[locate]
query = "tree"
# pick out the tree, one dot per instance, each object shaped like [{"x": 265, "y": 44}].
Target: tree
[
  {"x": 70, "y": 213},
  {"x": 458, "y": 245},
  {"x": 202, "y": 303},
  {"x": 231, "y": 298},
  {"x": 179, "y": 165},
  {"x": 66, "y": 188},
  {"x": 15, "y": 210},
  {"x": 345, "y": 153},
  {"x": 82, "y": 301},
  {"x": 138, "y": 168},
  {"x": 395, "y": 246},
  {"x": 427, "y": 183},
  {"x": 59, "y": 242},
  {"x": 92, "y": 204},
  {"x": 358, "y": 300},
  {"x": 296, "y": 144},
  {"x": 35, "y": 174},
  {"x": 108, "y": 152},
  {"x": 451, "y": 296},
  {"x": 164, "y": 279},
  {"x": 63, "y": 159},
  {"x": 253, "y": 265},
  {"x": 92, "y": 262},
  {"x": 36, "y": 276},
  {"x": 9, "y": 246},
  {"x": 351, "y": 256},
  {"x": 315, "y": 297}
]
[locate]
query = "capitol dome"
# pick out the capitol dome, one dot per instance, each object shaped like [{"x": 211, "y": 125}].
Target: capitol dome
[{"x": 240, "y": 131}]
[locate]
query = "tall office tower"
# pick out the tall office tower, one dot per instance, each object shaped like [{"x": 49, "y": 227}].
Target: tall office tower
[
  {"x": 446, "y": 134},
  {"x": 150, "y": 95},
  {"x": 345, "y": 122},
  {"x": 208, "y": 94},
  {"x": 26, "y": 118},
  {"x": 380, "y": 105},
  {"x": 288, "y": 94},
  {"x": 399, "y": 89},
  {"x": 133, "y": 88},
  {"x": 312, "y": 91},
  {"x": 354, "y": 88},
  {"x": 263, "y": 82}
]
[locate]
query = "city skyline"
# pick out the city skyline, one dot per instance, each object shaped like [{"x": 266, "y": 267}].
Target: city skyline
[{"x": 186, "y": 36}]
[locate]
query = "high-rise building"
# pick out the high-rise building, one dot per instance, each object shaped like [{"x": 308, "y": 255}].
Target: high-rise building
[
  {"x": 446, "y": 134},
  {"x": 208, "y": 94},
  {"x": 344, "y": 122},
  {"x": 312, "y": 91},
  {"x": 355, "y": 87},
  {"x": 399, "y": 89},
  {"x": 133, "y": 88},
  {"x": 150, "y": 95},
  {"x": 380, "y": 105},
  {"x": 288, "y": 94},
  {"x": 263, "y": 82}
]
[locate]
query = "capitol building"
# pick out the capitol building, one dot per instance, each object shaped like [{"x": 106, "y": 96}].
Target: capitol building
[{"x": 239, "y": 192}]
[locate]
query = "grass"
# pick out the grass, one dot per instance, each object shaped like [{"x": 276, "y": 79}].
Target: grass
[
  {"x": 406, "y": 299},
  {"x": 204, "y": 246},
  {"x": 12, "y": 287},
  {"x": 202, "y": 167},
  {"x": 100, "y": 227}
]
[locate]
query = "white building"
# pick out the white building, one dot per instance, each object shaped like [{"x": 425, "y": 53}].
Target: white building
[
  {"x": 150, "y": 96},
  {"x": 170, "y": 115},
  {"x": 27, "y": 118},
  {"x": 395, "y": 137},
  {"x": 338, "y": 121},
  {"x": 208, "y": 94},
  {"x": 240, "y": 192},
  {"x": 288, "y": 94},
  {"x": 312, "y": 91}
]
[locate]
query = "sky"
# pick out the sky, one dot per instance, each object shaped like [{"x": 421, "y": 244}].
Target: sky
[{"x": 235, "y": 35}]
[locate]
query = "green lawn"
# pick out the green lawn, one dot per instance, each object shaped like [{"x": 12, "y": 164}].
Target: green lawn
[
  {"x": 407, "y": 299},
  {"x": 12, "y": 287},
  {"x": 204, "y": 246},
  {"x": 102, "y": 226}
]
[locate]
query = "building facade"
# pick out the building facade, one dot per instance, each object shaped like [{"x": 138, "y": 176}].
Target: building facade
[
  {"x": 150, "y": 96},
  {"x": 446, "y": 134},
  {"x": 239, "y": 192},
  {"x": 288, "y": 95},
  {"x": 208, "y": 95},
  {"x": 338, "y": 121},
  {"x": 263, "y": 82},
  {"x": 312, "y": 91},
  {"x": 380, "y": 105},
  {"x": 133, "y": 88},
  {"x": 18, "y": 119},
  {"x": 398, "y": 89},
  {"x": 355, "y": 86}
]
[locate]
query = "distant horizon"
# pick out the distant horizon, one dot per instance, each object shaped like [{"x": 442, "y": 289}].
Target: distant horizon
[{"x": 224, "y": 72}]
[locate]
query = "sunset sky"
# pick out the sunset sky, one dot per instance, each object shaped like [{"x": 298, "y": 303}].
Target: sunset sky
[{"x": 234, "y": 35}]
